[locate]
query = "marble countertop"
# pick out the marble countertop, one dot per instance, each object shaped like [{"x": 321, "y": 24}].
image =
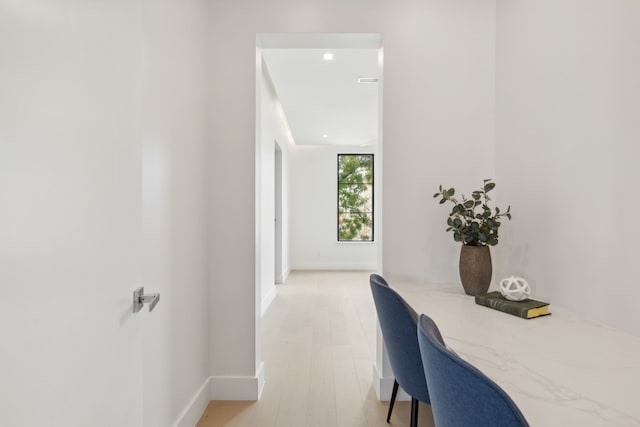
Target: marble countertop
[{"x": 560, "y": 370}]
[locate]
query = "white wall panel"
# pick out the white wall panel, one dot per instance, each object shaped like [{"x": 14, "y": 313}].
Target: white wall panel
[{"x": 568, "y": 132}]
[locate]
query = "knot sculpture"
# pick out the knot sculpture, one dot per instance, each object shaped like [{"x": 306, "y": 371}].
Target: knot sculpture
[{"x": 515, "y": 288}]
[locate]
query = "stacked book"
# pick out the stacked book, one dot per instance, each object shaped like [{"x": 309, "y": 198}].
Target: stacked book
[{"x": 527, "y": 309}]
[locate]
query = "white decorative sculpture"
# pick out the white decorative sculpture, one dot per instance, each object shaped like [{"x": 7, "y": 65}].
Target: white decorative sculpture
[{"x": 515, "y": 288}]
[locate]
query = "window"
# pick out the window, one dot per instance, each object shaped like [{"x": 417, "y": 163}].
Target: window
[{"x": 355, "y": 197}]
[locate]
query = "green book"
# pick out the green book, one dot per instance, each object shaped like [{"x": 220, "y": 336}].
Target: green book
[{"x": 527, "y": 309}]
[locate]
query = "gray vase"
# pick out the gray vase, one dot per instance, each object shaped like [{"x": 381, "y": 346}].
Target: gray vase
[{"x": 475, "y": 269}]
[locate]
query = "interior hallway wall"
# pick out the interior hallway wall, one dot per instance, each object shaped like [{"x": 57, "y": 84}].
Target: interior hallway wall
[
  {"x": 439, "y": 127},
  {"x": 273, "y": 129},
  {"x": 314, "y": 194},
  {"x": 568, "y": 129}
]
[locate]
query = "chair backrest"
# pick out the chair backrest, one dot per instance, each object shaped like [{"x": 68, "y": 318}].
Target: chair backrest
[
  {"x": 382, "y": 282},
  {"x": 398, "y": 327},
  {"x": 461, "y": 395}
]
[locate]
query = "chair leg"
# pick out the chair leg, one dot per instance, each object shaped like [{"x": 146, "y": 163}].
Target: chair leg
[
  {"x": 394, "y": 392},
  {"x": 414, "y": 412}
]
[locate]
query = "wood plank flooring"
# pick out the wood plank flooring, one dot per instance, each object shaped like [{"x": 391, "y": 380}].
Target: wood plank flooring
[{"x": 319, "y": 344}]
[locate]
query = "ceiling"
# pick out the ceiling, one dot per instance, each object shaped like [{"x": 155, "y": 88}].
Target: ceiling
[{"x": 323, "y": 102}]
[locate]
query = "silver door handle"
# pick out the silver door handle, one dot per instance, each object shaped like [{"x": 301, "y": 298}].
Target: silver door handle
[{"x": 140, "y": 299}]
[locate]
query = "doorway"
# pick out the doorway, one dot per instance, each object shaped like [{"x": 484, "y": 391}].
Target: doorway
[{"x": 279, "y": 145}]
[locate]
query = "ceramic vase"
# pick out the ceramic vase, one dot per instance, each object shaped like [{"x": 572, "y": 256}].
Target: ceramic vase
[{"x": 475, "y": 269}]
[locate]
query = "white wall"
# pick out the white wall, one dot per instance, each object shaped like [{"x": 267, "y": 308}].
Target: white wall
[
  {"x": 568, "y": 132},
  {"x": 273, "y": 129},
  {"x": 102, "y": 188},
  {"x": 439, "y": 127},
  {"x": 314, "y": 244}
]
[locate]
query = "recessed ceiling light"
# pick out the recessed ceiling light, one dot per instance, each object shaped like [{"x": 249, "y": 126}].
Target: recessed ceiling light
[
  {"x": 367, "y": 80},
  {"x": 328, "y": 56},
  {"x": 324, "y": 135}
]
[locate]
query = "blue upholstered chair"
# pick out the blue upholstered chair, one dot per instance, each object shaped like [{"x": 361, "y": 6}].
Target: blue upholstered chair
[
  {"x": 461, "y": 395},
  {"x": 394, "y": 393},
  {"x": 398, "y": 322}
]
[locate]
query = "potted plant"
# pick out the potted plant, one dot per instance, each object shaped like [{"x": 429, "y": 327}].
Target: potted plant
[{"x": 475, "y": 224}]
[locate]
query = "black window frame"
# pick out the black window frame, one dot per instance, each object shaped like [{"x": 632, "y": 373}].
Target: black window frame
[{"x": 371, "y": 184}]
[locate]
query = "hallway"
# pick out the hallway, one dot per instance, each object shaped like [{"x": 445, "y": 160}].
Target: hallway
[{"x": 319, "y": 343}]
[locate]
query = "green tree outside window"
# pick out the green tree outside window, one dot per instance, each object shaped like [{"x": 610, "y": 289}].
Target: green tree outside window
[{"x": 355, "y": 197}]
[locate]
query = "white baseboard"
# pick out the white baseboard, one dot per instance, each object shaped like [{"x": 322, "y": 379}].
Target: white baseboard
[
  {"x": 285, "y": 274},
  {"x": 261, "y": 378},
  {"x": 237, "y": 388},
  {"x": 221, "y": 388},
  {"x": 335, "y": 266},
  {"x": 384, "y": 386},
  {"x": 195, "y": 408},
  {"x": 268, "y": 299}
]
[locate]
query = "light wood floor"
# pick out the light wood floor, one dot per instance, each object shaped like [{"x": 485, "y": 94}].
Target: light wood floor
[{"x": 319, "y": 344}]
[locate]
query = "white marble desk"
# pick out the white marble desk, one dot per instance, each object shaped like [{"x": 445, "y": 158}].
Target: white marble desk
[{"x": 560, "y": 370}]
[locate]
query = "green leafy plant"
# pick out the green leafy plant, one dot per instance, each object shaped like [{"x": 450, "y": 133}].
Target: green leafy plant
[{"x": 471, "y": 220}]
